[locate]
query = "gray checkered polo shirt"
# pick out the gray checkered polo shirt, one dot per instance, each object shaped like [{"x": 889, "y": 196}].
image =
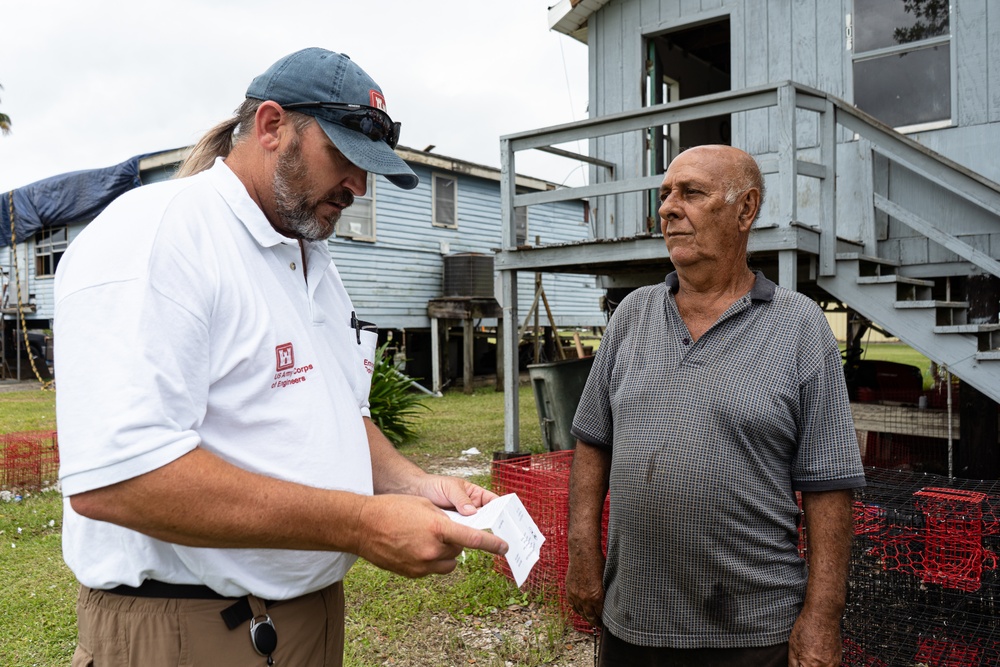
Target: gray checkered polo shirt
[{"x": 709, "y": 442}]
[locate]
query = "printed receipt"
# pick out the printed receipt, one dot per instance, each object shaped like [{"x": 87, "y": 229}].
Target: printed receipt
[{"x": 509, "y": 521}]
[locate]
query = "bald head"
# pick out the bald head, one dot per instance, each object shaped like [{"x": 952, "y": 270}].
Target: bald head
[
  {"x": 736, "y": 170},
  {"x": 709, "y": 199}
]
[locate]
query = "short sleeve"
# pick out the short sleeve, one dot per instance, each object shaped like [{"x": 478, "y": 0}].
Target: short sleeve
[
  {"x": 594, "y": 420},
  {"x": 828, "y": 457}
]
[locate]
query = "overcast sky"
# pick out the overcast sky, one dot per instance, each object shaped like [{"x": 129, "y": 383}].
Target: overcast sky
[{"x": 90, "y": 83}]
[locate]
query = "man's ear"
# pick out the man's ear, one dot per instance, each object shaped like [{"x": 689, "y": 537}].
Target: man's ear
[
  {"x": 749, "y": 206},
  {"x": 267, "y": 121}
]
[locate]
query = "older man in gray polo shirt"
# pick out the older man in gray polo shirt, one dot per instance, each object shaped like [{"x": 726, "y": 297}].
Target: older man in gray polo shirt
[{"x": 715, "y": 396}]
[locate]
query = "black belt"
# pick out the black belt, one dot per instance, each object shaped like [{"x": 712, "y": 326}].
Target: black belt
[{"x": 234, "y": 615}]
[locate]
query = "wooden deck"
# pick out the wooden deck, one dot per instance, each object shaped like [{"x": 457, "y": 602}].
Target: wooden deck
[{"x": 905, "y": 420}]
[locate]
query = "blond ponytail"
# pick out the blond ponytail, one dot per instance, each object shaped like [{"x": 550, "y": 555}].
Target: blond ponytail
[{"x": 218, "y": 141}]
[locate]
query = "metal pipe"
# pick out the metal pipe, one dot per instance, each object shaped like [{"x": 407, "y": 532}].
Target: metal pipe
[{"x": 417, "y": 385}]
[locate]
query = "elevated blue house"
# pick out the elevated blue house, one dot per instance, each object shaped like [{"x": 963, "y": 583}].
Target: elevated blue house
[
  {"x": 400, "y": 252},
  {"x": 876, "y": 124}
]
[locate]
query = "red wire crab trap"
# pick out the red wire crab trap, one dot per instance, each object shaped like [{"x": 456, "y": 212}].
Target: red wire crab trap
[
  {"x": 29, "y": 460},
  {"x": 924, "y": 587}
]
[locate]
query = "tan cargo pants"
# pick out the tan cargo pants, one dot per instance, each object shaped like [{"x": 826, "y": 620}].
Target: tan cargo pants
[{"x": 125, "y": 631}]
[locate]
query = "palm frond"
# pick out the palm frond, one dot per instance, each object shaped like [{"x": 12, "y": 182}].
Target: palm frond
[{"x": 393, "y": 402}]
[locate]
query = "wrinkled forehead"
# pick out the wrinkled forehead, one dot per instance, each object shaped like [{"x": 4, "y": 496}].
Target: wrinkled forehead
[
  {"x": 705, "y": 164},
  {"x": 689, "y": 168}
]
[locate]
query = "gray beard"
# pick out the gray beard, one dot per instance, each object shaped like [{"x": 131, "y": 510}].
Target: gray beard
[{"x": 295, "y": 212}]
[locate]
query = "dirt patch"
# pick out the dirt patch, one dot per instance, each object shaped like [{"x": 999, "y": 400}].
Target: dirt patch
[
  {"x": 465, "y": 466},
  {"x": 512, "y": 637}
]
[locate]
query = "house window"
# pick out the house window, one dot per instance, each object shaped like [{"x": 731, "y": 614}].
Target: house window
[
  {"x": 357, "y": 221},
  {"x": 521, "y": 224},
  {"x": 902, "y": 61},
  {"x": 444, "y": 201},
  {"x": 50, "y": 244}
]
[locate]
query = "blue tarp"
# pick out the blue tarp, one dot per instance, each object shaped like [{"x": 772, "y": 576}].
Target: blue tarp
[{"x": 60, "y": 200}]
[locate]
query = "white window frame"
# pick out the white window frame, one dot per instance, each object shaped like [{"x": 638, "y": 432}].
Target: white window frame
[
  {"x": 48, "y": 250},
  {"x": 355, "y": 227},
  {"x": 938, "y": 40},
  {"x": 435, "y": 220}
]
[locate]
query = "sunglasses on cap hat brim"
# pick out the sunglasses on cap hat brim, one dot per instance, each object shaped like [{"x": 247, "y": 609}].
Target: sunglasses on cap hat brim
[{"x": 369, "y": 121}]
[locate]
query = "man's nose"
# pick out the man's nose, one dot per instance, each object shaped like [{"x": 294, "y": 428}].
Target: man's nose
[
  {"x": 357, "y": 181},
  {"x": 668, "y": 208}
]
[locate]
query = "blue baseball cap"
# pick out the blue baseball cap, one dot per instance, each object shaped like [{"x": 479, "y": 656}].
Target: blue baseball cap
[{"x": 310, "y": 77}]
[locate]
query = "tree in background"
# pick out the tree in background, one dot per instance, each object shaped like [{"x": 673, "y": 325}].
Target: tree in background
[
  {"x": 932, "y": 19},
  {"x": 4, "y": 121}
]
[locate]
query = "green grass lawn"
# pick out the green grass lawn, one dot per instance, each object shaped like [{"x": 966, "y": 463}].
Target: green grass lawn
[
  {"x": 27, "y": 411},
  {"x": 37, "y": 590},
  {"x": 390, "y": 619}
]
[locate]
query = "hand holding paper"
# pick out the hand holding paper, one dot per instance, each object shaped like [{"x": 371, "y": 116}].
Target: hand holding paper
[{"x": 508, "y": 520}]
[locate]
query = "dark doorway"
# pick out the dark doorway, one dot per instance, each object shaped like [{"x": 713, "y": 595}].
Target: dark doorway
[{"x": 686, "y": 62}]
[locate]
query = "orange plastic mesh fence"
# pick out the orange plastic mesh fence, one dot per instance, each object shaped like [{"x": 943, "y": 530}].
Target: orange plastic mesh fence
[{"x": 541, "y": 481}]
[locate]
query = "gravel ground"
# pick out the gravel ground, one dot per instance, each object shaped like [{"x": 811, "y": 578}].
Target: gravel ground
[{"x": 19, "y": 385}]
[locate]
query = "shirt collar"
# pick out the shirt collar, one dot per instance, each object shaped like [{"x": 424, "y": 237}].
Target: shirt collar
[
  {"x": 762, "y": 290},
  {"x": 244, "y": 207}
]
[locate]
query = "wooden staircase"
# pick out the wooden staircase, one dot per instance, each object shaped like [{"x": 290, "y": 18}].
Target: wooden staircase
[{"x": 929, "y": 315}]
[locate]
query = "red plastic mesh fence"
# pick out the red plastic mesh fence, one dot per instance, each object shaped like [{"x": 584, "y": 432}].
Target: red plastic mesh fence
[
  {"x": 924, "y": 586},
  {"x": 30, "y": 460},
  {"x": 541, "y": 481}
]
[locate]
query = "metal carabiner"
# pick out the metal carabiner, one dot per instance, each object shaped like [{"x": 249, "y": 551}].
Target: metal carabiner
[{"x": 263, "y": 636}]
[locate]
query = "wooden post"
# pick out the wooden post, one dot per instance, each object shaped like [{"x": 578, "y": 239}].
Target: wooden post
[
  {"x": 560, "y": 352},
  {"x": 983, "y": 295},
  {"x": 500, "y": 369},
  {"x": 788, "y": 269},
  {"x": 977, "y": 454},
  {"x": 468, "y": 340},
  {"x": 435, "y": 356},
  {"x": 508, "y": 301},
  {"x": 538, "y": 338},
  {"x": 828, "y": 191}
]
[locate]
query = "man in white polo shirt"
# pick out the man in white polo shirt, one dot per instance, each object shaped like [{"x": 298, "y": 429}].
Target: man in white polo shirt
[{"x": 220, "y": 468}]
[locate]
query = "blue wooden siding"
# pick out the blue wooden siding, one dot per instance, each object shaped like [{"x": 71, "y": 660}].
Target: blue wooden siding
[
  {"x": 392, "y": 279},
  {"x": 39, "y": 290},
  {"x": 772, "y": 41}
]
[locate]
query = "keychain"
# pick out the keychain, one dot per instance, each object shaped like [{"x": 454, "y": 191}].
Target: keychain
[{"x": 264, "y": 637}]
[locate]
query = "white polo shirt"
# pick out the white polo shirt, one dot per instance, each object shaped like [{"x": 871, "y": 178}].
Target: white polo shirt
[{"x": 183, "y": 320}]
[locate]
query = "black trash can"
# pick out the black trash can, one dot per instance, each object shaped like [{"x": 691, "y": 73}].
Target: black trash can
[{"x": 558, "y": 386}]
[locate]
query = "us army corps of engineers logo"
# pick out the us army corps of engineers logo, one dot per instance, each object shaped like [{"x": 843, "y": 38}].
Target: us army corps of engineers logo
[{"x": 285, "y": 370}]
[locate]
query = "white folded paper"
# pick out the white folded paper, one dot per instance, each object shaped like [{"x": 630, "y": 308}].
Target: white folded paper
[{"x": 509, "y": 521}]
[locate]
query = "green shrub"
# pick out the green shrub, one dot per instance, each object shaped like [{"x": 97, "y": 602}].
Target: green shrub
[{"x": 393, "y": 401}]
